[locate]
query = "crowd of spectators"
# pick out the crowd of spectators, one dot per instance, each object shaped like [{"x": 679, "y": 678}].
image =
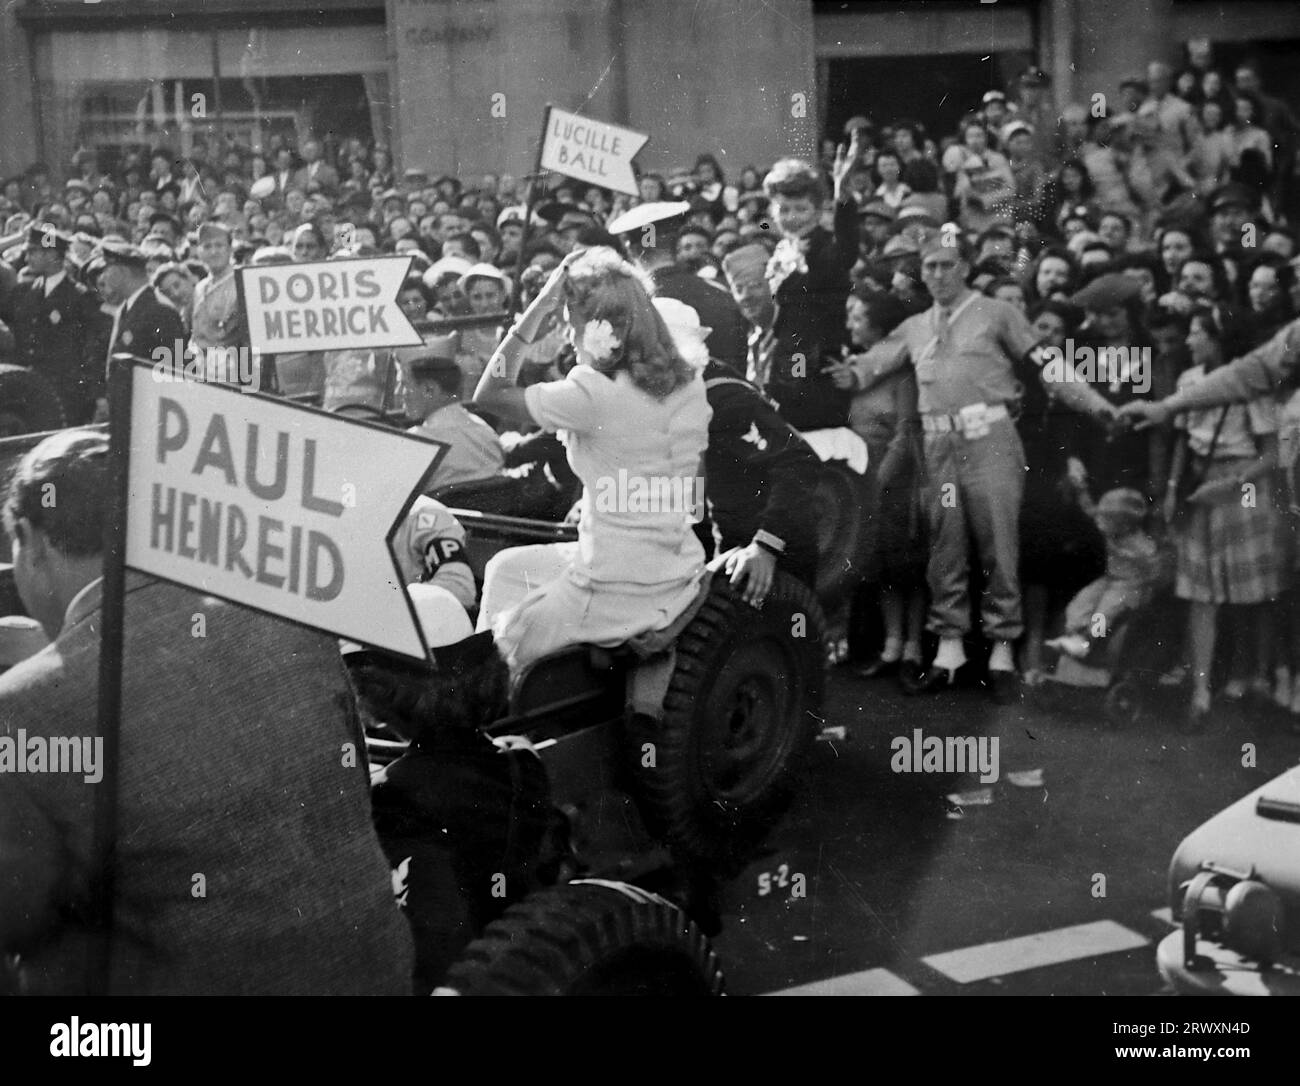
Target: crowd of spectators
[{"x": 1156, "y": 219}]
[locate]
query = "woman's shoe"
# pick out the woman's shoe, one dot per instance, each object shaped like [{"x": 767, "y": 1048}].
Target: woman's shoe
[
  {"x": 932, "y": 679},
  {"x": 1175, "y": 676},
  {"x": 878, "y": 668},
  {"x": 909, "y": 674}
]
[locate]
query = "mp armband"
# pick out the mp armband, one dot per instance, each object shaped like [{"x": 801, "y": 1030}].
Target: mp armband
[
  {"x": 438, "y": 552},
  {"x": 774, "y": 544}
]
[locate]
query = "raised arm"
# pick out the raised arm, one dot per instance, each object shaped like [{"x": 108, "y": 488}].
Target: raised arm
[
  {"x": 497, "y": 391},
  {"x": 1263, "y": 371}
]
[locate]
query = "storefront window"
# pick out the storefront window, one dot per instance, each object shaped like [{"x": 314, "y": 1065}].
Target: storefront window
[{"x": 131, "y": 88}]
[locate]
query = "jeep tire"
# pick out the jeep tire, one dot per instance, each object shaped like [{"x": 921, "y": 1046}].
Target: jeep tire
[
  {"x": 589, "y": 938},
  {"x": 718, "y": 771}
]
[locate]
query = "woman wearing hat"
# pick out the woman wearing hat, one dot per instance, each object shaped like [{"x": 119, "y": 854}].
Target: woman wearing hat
[
  {"x": 983, "y": 184},
  {"x": 631, "y": 411},
  {"x": 486, "y": 290}
]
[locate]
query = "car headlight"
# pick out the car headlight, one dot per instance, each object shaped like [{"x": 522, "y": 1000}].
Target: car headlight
[
  {"x": 1252, "y": 921},
  {"x": 1233, "y": 908}
]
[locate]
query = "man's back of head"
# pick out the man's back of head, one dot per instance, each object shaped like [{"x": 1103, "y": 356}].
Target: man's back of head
[{"x": 54, "y": 511}]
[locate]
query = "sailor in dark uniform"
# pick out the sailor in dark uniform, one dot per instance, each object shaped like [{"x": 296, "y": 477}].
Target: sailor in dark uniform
[
  {"x": 55, "y": 322},
  {"x": 760, "y": 476},
  {"x": 649, "y": 231}
]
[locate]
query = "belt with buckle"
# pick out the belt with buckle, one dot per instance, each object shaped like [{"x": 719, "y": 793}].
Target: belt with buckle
[{"x": 941, "y": 423}]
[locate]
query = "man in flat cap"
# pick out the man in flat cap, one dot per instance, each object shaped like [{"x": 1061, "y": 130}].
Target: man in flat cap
[
  {"x": 1232, "y": 207},
  {"x": 965, "y": 350},
  {"x": 431, "y": 390},
  {"x": 146, "y": 324},
  {"x": 877, "y": 219},
  {"x": 650, "y": 232},
  {"x": 1121, "y": 371},
  {"x": 56, "y": 323},
  {"x": 220, "y": 334}
]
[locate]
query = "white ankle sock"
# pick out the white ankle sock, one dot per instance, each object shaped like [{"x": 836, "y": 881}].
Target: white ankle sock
[
  {"x": 951, "y": 654},
  {"x": 893, "y": 650},
  {"x": 912, "y": 651},
  {"x": 1002, "y": 658}
]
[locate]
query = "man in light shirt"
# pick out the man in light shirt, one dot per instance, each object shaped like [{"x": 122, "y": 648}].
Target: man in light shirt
[
  {"x": 431, "y": 388},
  {"x": 219, "y": 335}
]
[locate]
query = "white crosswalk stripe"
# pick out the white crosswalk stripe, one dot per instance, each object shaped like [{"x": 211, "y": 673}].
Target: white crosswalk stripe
[
  {"x": 870, "y": 982},
  {"x": 988, "y": 960},
  {"x": 1035, "y": 951}
]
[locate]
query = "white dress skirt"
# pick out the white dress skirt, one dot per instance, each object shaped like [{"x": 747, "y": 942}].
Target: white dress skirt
[{"x": 637, "y": 563}]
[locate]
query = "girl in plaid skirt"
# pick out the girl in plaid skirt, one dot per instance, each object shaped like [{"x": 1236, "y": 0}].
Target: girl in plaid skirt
[{"x": 1227, "y": 547}]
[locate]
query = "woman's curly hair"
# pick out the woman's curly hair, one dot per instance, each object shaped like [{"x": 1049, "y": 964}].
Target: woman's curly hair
[{"x": 601, "y": 285}]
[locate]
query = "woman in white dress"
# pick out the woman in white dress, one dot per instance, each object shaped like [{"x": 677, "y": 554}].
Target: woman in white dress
[{"x": 634, "y": 418}]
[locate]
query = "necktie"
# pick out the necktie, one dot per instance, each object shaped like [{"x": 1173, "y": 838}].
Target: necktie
[
  {"x": 112, "y": 339},
  {"x": 945, "y": 318},
  {"x": 40, "y": 283}
]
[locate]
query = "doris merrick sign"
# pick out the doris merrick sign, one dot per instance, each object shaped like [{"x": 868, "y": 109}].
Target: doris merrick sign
[
  {"x": 330, "y": 305},
  {"x": 596, "y": 152}
]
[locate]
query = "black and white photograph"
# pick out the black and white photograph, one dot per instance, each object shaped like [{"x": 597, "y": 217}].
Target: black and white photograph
[{"x": 651, "y": 498}]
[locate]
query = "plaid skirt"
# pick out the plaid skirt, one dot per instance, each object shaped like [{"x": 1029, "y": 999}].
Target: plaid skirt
[{"x": 1228, "y": 553}]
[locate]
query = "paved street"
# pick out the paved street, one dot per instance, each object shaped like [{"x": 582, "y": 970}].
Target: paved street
[{"x": 893, "y": 880}]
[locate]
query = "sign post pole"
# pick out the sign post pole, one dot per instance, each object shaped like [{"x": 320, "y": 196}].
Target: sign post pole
[
  {"x": 535, "y": 179},
  {"x": 110, "y": 674}
]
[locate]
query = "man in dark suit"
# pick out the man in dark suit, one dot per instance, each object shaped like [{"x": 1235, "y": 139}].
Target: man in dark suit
[
  {"x": 55, "y": 321},
  {"x": 246, "y": 860},
  {"x": 315, "y": 170},
  {"x": 284, "y": 172},
  {"x": 146, "y": 325}
]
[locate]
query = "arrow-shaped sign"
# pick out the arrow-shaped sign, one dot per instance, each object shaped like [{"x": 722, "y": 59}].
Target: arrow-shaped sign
[
  {"x": 328, "y": 305},
  {"x": 275, "y": 506},
  {"x": 597, "y": 152}
]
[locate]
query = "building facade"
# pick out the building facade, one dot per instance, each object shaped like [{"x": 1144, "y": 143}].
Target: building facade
[{"x": 459, "y": 85}]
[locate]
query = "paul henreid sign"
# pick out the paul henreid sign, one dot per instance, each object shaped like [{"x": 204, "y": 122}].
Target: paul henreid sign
[
  {"x": 274, "y": 506},
  {"x": 330, "y": 305},
  {"x": 593, "y": 151}
]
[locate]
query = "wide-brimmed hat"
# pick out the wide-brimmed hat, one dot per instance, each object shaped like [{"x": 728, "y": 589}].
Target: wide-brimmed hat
[{"x": 641, "y": 216}]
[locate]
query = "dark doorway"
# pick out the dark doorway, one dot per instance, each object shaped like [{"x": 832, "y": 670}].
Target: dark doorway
[{"x": 935, "y": 90}]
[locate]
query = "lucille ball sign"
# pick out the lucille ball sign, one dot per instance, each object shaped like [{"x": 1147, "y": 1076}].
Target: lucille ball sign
[{"x": 593, "y": 151}]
